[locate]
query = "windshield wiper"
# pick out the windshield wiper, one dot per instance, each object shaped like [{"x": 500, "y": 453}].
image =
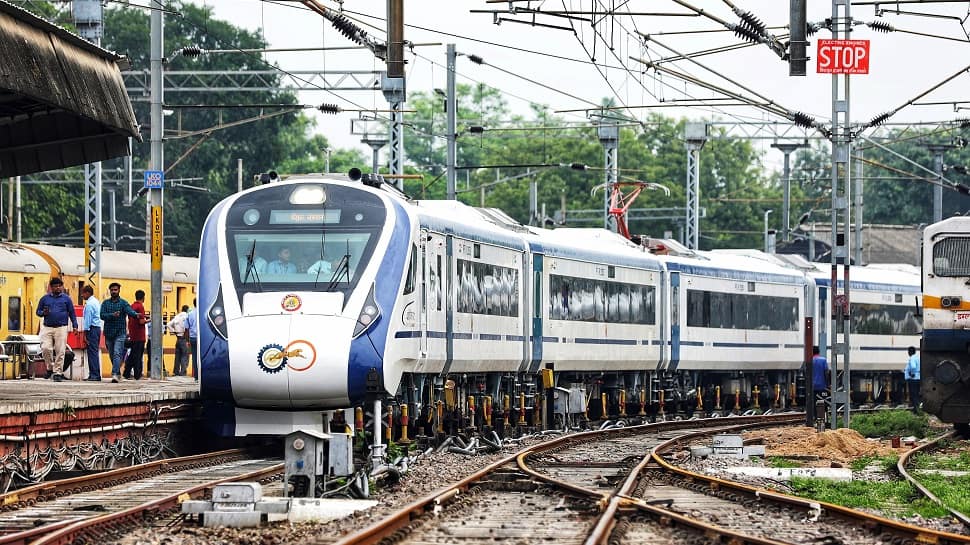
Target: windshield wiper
[
  {"x": 323, "y": 241},
  {"x": 251, "y": 267},
  {"x": 343, "y": 268}
]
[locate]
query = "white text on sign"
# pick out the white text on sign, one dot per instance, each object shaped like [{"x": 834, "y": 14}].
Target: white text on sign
[{"x": 843, "y": 57}]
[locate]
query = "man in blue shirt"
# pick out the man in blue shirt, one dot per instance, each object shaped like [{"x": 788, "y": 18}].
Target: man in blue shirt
[
  {"x": 192, "y": 331},
  {"x": 911, "y": 374},
  {"x": 820, "y": 372},
  {"x": 57, "y": 309},
  {"x": 92, "y": 331}
]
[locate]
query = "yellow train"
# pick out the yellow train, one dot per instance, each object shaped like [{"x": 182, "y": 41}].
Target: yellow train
[{"x": 26, "y": 269}]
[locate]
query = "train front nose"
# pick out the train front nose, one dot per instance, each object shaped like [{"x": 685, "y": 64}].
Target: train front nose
[{"x": 291, "y": 361}]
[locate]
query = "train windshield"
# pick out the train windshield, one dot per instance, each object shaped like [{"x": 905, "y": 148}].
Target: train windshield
[
  {"x": 951, "y": 257},
  {"x": 276, "y": 244}
]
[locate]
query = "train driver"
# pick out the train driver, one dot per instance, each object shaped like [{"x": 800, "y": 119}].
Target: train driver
[
  {"x": 322, "y": 267},
  {"x": 282, "y": 263}
]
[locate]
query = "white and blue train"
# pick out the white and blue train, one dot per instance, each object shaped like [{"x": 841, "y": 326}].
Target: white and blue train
[{"x": 322, "y": 293}]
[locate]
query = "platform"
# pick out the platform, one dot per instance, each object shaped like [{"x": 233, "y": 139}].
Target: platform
[{"x": 59, "y": 426}]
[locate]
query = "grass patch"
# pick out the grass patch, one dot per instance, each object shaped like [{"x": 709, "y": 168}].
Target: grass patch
[
  {"x": 895, "y": 496},
  {"x": 886, "y": 463},
  {"x": 952, "y": 491},
  {"x": 781, "y": 462},
  {"x": 961, "y": 462},
  {"x": 889, "y": 423}
]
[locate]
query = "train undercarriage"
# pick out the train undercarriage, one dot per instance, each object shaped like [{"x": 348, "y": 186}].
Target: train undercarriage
[{"x": 510, "y": 404}]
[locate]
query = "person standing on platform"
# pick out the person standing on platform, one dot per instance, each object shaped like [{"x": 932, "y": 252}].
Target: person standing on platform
[
  {"x": 820, "y": 372},
  {"x": 92, "y": 332},
  {"x": 192, "y": 331},
  {"x": 176, "y": 326},
  {"x": 136, "y": 338},
  {"x": 113, "y": 313},
  {"x": 911, "y": 374},
  {"x": 57, "y": 309}
]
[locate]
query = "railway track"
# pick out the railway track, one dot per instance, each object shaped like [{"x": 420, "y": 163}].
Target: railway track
[
  {"x": 90, "y": 508},
  {"x": 614, "y": 486},
  {"x": 904, "y": 461}
]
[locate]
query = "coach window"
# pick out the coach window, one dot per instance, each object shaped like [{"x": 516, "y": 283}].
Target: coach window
[
  {"x": 720, "y": 310},
  {"x": 487, "y": 289},
  {"x": 412, "y": 271},
  {"x": 587, "y": 300},
  {"x": 13, "y": 314},
  {"x": 876, "y": 319},
  {"x": 951, "y": 257}
]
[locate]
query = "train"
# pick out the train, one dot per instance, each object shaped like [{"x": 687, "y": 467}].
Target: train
[
  {"x": 323, "y": 292},
  {"x": 945, "y": 353},
  {"x": 26, "y": 270}
]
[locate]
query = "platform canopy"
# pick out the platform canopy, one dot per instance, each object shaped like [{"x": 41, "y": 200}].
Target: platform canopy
[{"x": 62, "y": 99}]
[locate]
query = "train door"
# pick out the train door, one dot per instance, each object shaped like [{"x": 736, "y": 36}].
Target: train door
[
  {"x": 674, "y": 321},
  {"x": 27, "y": 306},
  {"x": 423, "y": 295},
  {"x": 536, "y": 312},
  {"x": 435, "y": 304},
  {"x": 181, "y": 298}
]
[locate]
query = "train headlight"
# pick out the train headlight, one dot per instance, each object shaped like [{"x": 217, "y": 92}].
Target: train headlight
[
  {"x": 308, "y": 194},
  {"x": 369, "y": 313},
  {"x": 217, "y": 316},
  {"x": 950, "y": 301},
  {"x": 251, "y": 216}
]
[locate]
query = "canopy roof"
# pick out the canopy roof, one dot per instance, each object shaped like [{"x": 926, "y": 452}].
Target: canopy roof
[{"x": 62, "y": 99}]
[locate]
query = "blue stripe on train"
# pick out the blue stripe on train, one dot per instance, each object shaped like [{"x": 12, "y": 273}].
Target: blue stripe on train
[{"x": 367, "y": 353}]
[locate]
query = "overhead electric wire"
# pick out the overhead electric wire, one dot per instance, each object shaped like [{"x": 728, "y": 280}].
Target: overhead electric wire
[
  {"x": 477, "y": 40},
  {"x": 881, "y": 118}
]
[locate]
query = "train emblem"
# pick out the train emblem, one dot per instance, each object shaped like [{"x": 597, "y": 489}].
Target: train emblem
[
  {"x": 291, "y": 302},
  {"x": 299, "y": 355}
]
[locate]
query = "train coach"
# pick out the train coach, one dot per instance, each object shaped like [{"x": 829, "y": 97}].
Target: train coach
[
  {"x": 945, "y": 354},
  {"x": 323, "y": 293},
  {"x": 26, "y": 270}
]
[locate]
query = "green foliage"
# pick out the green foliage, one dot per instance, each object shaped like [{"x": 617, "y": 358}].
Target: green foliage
[
  {"x": 781, "y": 462},
  {"x": 895, "y": 496},
  {"x": 395, "y": 450},
  {"x": 959, "y": 462},
  {"x": 889, "y": 423},
  {"x": 954, "y": 492},
  {"x": 896, "y": 191},
  {"x": 886, "y": 463}
]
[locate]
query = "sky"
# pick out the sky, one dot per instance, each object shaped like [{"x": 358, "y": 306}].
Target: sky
[{"x": 902, "y": 66}]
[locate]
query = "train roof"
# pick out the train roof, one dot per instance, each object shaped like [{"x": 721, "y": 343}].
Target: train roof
[
  {"x": 115, "y": 264},
  {"x": 491, "y": 225},
  {"x": 957, "y": 225},
  {"x": 735, "y": 266},
  {"x": 872, "y": 278},
  {"x": 14, "y": 258}
]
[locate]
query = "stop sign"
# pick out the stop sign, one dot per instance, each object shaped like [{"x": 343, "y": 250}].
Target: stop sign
[{"x": 843, "y": 57}]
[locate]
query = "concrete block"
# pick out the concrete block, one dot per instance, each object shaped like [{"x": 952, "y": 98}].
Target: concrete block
[
  {"x": 237, "y": 493},
  {"x": 232, "y": 519},
  {"x": 322, "y": 509},
  {"x": 273, "y": 505},
  {"x": 786, "y": 473},
  {"x": 196, "y": 507}
]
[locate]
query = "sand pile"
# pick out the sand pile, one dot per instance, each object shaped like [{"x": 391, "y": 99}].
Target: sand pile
[{"x": 841, "y": 445}]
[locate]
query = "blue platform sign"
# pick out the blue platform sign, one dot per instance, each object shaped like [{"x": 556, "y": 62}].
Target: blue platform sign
[{"x": 154, "y": 179}]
